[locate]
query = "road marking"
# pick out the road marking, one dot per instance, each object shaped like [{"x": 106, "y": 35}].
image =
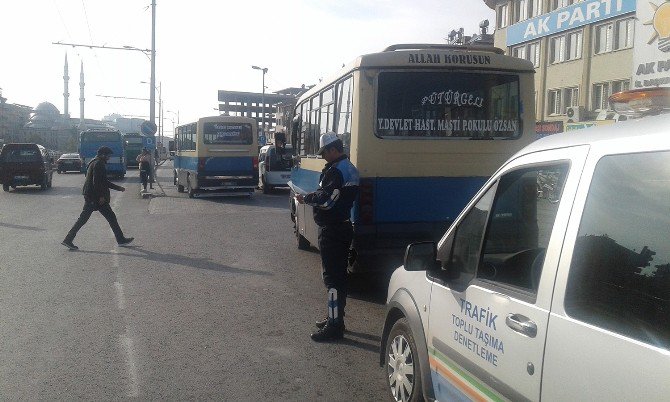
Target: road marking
[
  {"x": 129, "y": 351},
  {"x": 120, "y": 298}
]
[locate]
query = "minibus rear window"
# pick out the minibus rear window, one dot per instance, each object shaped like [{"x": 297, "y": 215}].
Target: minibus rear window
[
  {"x": 227, "y": 133},
  {"x": 448, "y": 104}
]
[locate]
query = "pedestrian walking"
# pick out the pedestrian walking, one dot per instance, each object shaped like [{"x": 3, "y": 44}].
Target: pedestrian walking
[
  {"x": 332, "y": 203},
  {"x": 145, "y": 162},
  {"x": 96, "y": 198}
]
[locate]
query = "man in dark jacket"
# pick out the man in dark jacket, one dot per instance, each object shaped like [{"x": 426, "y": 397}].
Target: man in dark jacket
[
  {"x": 96, "y": 198},
  {"x": 332, "y": 203}
]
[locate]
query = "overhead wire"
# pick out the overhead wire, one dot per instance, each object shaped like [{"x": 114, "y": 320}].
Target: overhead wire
[{"x": 97, "y": 59}]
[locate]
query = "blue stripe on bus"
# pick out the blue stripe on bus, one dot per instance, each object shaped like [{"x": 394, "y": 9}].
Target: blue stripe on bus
[
  {"x": 408, "y": 199},
  {"x": 422, "y": 199},
  {"x": 214, "y": 166}
]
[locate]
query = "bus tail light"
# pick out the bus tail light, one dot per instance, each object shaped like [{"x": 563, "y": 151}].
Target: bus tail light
[
  {"x": 366, "y": 201},
  {"x": 201, "y": 164},
  {"x": 255, "y": 162}
]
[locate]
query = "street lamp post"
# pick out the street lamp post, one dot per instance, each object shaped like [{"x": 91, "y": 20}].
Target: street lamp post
[{"x": 264, "y": 70}]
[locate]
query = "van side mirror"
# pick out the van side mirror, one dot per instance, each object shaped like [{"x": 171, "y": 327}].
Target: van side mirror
[{"x": 421, "y": 256}]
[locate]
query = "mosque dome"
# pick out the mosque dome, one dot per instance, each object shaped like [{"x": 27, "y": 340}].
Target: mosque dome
[
  {"x": 47, "y": 109},
  {"x": 44, "y": 116}
]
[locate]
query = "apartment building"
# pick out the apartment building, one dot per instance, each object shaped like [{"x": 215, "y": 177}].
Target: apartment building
[{"x": 583, "y": 51}]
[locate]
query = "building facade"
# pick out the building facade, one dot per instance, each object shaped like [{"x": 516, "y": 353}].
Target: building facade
[
  {"x": 278, "y": 107},
  {"x": 582, "y": 51},
  {"x": 13, "y": 118}
]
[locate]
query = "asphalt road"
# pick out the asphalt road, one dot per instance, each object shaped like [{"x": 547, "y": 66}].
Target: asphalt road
[{"x": 212, "y": 301}]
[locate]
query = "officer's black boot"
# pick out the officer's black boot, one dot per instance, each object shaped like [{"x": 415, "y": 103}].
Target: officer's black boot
[
  {"x": 332, "y": 330},
  {"x": 322, "y": 323}
]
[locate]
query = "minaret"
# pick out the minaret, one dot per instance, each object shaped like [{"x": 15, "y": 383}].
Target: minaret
[
  {"x": 66, "y": 94},
  {"x": 81, "y": 96}
]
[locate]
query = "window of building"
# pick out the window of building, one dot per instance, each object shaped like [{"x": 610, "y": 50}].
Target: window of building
[
  {"x": 558, "y": 100},
  {"x": 503, "y": 15},
  {"x": 528, "y": 51},
  {"x": 556, "y": 4},
  {"x": 521, "y": 10},
  {"x": 566, "y": 47},
  {"x": 603, "y": 90},
  {"x": 615, "y": 35},
  {"x": 620, "y": 270}
]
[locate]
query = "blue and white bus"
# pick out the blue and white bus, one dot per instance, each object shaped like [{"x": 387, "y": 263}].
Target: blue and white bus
[
  {"x": 91, "y": 140},
  {"x": 217, "y": 156},
  {"x": 425, "y": 125}
]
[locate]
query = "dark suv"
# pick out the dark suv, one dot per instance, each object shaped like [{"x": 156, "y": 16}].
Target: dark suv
[{"x": 24, "y": 165}]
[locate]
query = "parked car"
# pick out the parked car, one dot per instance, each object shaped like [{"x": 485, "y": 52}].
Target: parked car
[
  {"x": 553, "y": 283},
  {"x": 23, "y": 164},
  {"x": 274, "y": 170},
  {"x": 68, "y": 162}
]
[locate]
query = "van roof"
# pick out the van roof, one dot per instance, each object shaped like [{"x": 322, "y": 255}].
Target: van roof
[{"x": 653, "y": 128}]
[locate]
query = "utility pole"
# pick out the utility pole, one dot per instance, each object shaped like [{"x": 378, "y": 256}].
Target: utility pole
[{"x": 152, "y": 89}]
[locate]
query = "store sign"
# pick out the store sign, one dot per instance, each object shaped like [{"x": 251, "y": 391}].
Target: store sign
[
  {"x": 545, "y": 128},
  {"x": 651, "y": 57},
  {"x": 566, "y": 18}
]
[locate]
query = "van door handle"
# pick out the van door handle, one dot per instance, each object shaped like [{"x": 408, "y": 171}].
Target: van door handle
[{"x": 522, "y": 325}]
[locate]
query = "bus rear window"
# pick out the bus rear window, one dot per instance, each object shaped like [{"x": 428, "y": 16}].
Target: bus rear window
[
  {"x": 227, "y": 133},
  {"x": 448, "y": 104},
  {"x": 101, "y": 136}
]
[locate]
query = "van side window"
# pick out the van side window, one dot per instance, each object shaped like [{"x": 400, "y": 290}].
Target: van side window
[
  {"x": 620, "y": 271},
  {"x": 502, "y": 240}
]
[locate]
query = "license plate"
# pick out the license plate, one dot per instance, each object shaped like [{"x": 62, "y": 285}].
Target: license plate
[
  {"x": 230, "y": 183},
  {"x": 286, "y": 176},
  {"x": 20, "y": 177}
]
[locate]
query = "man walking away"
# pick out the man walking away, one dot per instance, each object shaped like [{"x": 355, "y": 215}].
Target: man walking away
[
  {"x": 332, "y": 203},
  {"x": 96, "y": 198}
]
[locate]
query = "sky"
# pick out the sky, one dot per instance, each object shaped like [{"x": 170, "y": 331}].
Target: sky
[{"x": 202, "y": 46}]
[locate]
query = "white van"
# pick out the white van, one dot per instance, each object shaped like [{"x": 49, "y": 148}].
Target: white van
[
  {"x": 274, "y": 169},
  {"x": 552, "y": 284}
]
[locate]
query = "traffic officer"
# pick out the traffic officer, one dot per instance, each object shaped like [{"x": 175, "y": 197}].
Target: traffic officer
[{"x": 332, "y": 203}]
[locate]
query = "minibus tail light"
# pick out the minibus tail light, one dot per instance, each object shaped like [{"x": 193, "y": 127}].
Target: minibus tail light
[
  {"x": 201, "y": 164},
  {"x": 255, "y": 162},
  {"x": 366, "y": 201}
]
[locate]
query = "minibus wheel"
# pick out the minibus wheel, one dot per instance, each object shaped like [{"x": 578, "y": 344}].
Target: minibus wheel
[
  {"x": 302, "y": 243},
  {"x": 189, "y": 189}
]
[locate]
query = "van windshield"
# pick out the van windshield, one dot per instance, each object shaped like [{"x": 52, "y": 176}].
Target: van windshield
[
  {"x": 448, "y": 104},
  {"x": 21, "y": 155}
]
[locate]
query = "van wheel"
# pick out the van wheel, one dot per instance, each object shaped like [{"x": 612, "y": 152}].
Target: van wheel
[
  {"x": 402, "y": 367},
  {"x": 5, "y": 187}
]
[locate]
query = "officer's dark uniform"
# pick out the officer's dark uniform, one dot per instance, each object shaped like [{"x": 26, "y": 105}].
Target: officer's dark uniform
[
  {"x": 97, "y": 186},
  {"x": 332, "y": 203}
]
